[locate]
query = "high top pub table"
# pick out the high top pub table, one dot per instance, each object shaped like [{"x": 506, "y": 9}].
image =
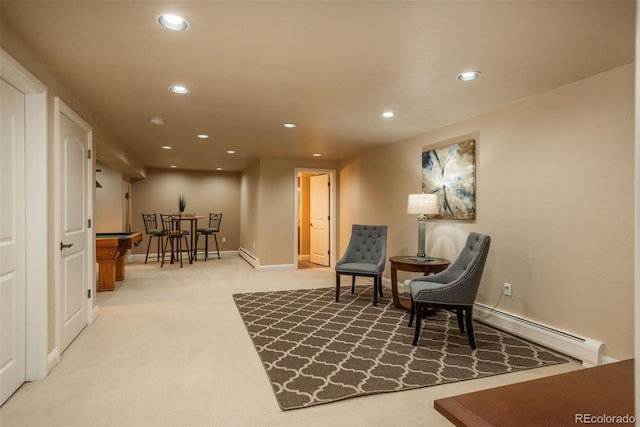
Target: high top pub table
[{"x": 426, "y": 265}]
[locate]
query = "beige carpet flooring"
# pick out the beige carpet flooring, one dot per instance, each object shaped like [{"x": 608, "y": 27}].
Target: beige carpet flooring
[{"x": 169, "y": 349}]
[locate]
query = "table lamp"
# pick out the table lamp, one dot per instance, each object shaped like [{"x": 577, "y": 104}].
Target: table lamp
[{"x": 422, "y": 205}]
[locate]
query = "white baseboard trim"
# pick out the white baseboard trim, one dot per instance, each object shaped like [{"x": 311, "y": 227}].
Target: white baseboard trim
[
  {"x": 607, "y": 359},
  {"x": 304, "y": 257},
  {"x": 53, "y": 359},
  {"x": 278, "y": 267},
  {"x": 154, "y": 257},
  {"x": 588, "y": 350},
  {"x": 255, "y": 262}
]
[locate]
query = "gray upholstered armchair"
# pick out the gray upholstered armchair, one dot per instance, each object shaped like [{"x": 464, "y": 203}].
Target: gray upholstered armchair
[
  {"x": 365, "y": 256},
  {"x": 455, "y": 288}
]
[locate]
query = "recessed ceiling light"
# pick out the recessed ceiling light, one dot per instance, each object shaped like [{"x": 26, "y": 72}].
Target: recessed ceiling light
[
  {"x": 469, "y": 75},
  {"x": 166, "y": 147},
  {"x": 173, "y": 166},
  {"x": 218, "y": 169},
  {"x": 179, "y": 89},
  {"x": 388, "y": 114},
  {"x": 317, "y": 155},
  {"x": 231, "y": 152},
  {"x": 203, "y": 136},
  {"x": 290, "y": 125},
  {"x": 173, "y": 22},
  {"x": 156, "y": 121}
]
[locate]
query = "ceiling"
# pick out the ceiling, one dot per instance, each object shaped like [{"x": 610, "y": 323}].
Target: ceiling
[{"x": 330, "y": 67}]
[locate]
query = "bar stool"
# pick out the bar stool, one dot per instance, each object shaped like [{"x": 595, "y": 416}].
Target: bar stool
[
  {"x": 151, "y": 228},
  {"x": 171, "y": 227},
  {"x": 214, "y": 227}
]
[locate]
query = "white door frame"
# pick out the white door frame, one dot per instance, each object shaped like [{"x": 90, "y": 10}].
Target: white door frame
[
  {"x": 36, "y": 218},
  {"x": 61, "y": 108},
  {"x": 332, "y": 209}
]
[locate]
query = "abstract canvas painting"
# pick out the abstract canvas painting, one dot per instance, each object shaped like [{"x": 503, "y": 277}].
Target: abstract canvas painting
[{"x": 450, "y": 172}]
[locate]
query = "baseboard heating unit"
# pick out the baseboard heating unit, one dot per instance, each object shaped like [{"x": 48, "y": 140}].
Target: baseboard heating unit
[
  {"x": 247, "y": 256},
  {"x": 588, "y": 350}
]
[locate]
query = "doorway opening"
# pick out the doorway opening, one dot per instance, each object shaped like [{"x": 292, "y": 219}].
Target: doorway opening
[{"x": 315, "y": 211}]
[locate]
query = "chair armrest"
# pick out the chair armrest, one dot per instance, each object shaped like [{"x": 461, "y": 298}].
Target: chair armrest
[
  {"x": 442, "y": 277},
  {"x": 440, "y": 293}
]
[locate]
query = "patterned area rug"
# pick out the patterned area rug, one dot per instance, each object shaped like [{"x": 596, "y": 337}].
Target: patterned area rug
[{"x": 316, "y": 351}]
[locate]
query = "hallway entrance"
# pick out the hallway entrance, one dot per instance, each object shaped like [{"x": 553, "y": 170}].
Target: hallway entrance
[{"x": 315, "y": 227}]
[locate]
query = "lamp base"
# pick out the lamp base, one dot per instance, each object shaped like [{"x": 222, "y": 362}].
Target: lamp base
[
  {"x": 422, "y": 219},
  {"x": 422, "y": 258}
]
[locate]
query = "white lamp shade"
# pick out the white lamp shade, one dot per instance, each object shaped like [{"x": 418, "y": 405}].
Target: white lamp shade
[{"x": 423, "y": 204}]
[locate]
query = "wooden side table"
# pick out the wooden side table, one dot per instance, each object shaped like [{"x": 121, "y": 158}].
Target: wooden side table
[{"x": 408, "y": 263}]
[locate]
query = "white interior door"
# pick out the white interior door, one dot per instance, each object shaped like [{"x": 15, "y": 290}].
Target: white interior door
[
  {"x": 320, "y": 217},
  {"x": 74, "y": 140},
  {"x": 12, "y": 241}
]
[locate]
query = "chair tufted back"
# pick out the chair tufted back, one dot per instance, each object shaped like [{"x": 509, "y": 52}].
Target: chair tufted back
[
  {"x": 462, "y": 278},
  {"x": 475, "y": 247},
  {"x": 367, "y": 245}
]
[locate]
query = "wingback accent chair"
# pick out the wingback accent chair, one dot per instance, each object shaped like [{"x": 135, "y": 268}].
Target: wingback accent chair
[
  {"x": 365, "y": 256},
  {"x": 453, "y": 289}
]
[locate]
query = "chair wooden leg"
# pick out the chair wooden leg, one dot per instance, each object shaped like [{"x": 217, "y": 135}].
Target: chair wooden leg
[
  {"x": 175, "y": 247},
  {"x": 412, "y": 312},
  {"x": 186, "y": 243},
  {"x": 353, "y": 284},
  {"x": 170, "y": 243},
  {"x": 380, "y": 285},
  {"x": 206, "y": 246},
  {"x": 159, "y": 246},
  {"x": 215, "y": 237},
  {"x": 459, "y": 312},
  {"x": 375, "y": 291},
  {"x": 164, "y": 251},
  {"x": 148, "y": 246},
  {"x": 469, "y": 316},
  {"x": 418, "y": 322},
  {"x": 337, "y": 286}
]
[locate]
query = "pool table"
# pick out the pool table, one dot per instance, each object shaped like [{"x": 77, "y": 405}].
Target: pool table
[{"x": 110, "y": 251}]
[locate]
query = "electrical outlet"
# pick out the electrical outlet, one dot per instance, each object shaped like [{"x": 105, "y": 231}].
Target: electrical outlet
[
  {"x": 224, "y": 240},
  {"x": 507, "y": 289}
]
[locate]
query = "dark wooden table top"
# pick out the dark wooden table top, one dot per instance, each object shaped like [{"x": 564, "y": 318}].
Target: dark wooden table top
[{"x": 559, "y": 400}]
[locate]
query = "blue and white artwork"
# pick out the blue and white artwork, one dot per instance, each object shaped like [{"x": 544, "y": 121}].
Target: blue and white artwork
[{"x": 450, "y": 172}]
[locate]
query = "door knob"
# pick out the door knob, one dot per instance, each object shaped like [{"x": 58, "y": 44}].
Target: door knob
[{"x": 64, "y": 246}]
